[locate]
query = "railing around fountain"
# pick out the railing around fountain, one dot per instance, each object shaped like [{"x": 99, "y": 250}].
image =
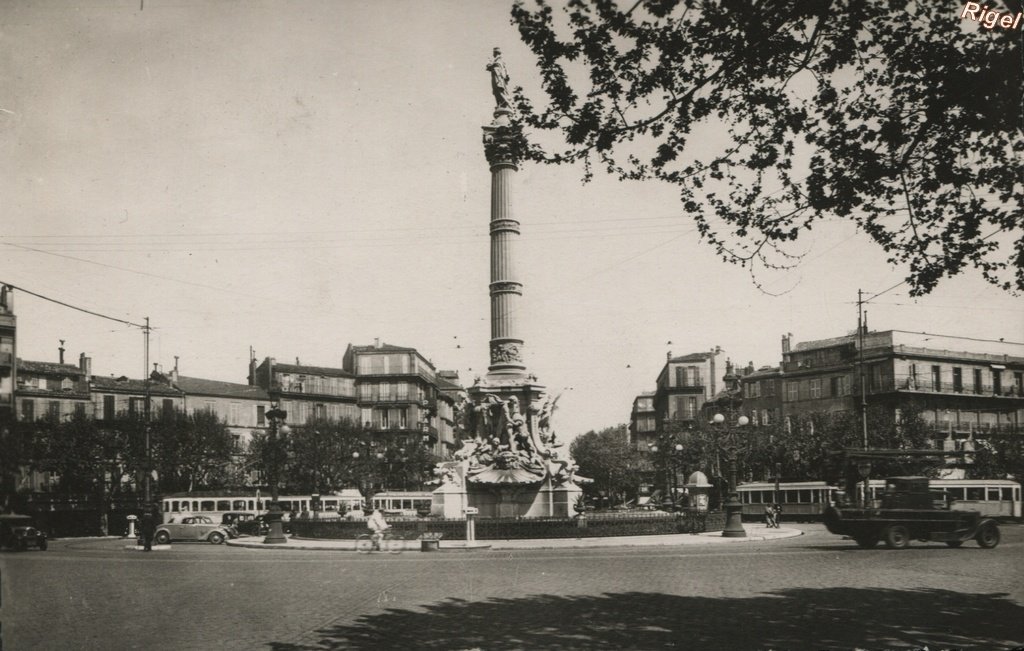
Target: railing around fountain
[{"x": 593, "y": 525}]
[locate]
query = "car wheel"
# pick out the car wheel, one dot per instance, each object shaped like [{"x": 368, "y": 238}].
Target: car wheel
[
  {"x": 954, "y": 543},
  {"x": 897, "y": 537},
  {"x": 162, "y": 537},
  {"x": 988, "y": 536},
  {"x": 866, "y": 541},
  {"x": 216, "y": 538}
]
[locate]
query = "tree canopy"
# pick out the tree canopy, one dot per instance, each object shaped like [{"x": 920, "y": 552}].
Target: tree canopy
[
  {"x": 607, "y": 457},
  {"x": 771, "y": 117}
]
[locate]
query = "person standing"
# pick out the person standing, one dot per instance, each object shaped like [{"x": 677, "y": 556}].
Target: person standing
[{"x": 147, "y": 528}]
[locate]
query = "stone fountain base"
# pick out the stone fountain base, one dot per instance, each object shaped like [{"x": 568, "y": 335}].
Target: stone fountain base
[{"x": 541, "y": 500}]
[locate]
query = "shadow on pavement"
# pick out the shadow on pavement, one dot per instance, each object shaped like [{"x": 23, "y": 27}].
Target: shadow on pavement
[{"x": 829, "y": 618}]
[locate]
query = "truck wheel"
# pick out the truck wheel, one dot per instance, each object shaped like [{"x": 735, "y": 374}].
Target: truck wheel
[
  {"x": 988, "y": 536},
  {"x": 866, "y": 541},
  {"x": 897, "y": 537}
]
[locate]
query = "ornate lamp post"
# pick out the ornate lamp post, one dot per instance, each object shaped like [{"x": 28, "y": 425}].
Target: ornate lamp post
[
  {"x": 733, "y": 507},
  {"x": 276, "y": 534},
  {"x": 670, "y": 456}
]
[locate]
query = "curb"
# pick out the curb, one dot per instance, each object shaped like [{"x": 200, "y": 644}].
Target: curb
[{"x": 679, "y": 540}]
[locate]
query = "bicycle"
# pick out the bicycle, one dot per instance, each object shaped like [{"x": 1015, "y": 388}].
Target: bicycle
[{"x": 388, "y": 543}]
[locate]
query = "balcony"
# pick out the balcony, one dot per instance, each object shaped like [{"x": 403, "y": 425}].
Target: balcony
[
  {"x": 302, "y": 388},
  {"x": 929, "y": 385},
  {"x": 394, "y": 400}
]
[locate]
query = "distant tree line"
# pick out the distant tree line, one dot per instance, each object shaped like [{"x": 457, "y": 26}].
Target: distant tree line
[
  {"x": 106, "y": 460},
  {"x": 808, "y": 449}
]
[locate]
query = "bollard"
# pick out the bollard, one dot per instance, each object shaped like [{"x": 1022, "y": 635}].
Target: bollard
[
  {"x": 470, "y": 511},
  {"x": 131, "y": 525}
]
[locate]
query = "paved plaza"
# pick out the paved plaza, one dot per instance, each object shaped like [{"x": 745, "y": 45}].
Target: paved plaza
[{"x": 813, "y": 591}]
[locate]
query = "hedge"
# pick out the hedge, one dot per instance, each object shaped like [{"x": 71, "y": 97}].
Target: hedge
[{"x": 593, "y": 525}]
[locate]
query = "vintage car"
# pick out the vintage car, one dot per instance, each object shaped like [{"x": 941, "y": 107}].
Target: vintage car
[
  {"x": 19, "y": 532},
  {"x": 910, "y": 511},
  {"x": 192, "y": 527},
  {"x": 241, "y": 523}
]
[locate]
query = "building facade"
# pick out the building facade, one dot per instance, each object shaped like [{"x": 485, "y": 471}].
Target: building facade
[
  {"x": 684, "y": 384},
  {"x": 399, "y": 393},
  {"x": 963, "y": 387},
  {"x": 643, "y": 426},
  {"x": 307, "y": 392}
]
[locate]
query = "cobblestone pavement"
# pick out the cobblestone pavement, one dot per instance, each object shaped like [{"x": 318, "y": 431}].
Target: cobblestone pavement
[{"x": 815, "y": 591}]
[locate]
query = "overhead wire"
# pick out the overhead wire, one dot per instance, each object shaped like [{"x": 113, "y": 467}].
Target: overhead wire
[{"x": 74, "y": 307}]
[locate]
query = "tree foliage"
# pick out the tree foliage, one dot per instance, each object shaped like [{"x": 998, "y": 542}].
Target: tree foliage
[
  {"x": 325, "y": 455},
  {"x": 769, "y": 117},
  {"x": 192, "y": 451},
  {"x": 606, "y": 457}
]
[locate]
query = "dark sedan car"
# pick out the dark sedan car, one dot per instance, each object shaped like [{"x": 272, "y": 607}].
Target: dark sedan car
[{"x": 19, "y": 532}]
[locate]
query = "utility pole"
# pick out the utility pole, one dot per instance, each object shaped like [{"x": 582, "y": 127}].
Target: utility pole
[
  {"x": 866, "y": 472},
  {"x": 147, "y": 470},
  {"x": 860, "y": 365}
]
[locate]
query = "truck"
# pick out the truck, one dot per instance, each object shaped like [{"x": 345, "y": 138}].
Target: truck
[{"x": 910, "y": 510}]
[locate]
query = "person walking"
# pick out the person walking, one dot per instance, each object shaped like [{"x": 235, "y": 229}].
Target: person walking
[{"x": 769, "y": 516}]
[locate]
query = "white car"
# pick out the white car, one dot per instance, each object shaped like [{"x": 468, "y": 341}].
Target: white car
[{"x": 192, "y": 527}]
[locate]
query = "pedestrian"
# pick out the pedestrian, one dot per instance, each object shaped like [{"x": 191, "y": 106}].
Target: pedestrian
[
  {"x": 778, "y": 514},
  {"x": 147, "y": 528},
  {"x": 769, "y": 516}
]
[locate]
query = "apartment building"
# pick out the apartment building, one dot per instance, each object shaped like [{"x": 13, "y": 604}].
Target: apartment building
[
  {"x": 961, "y": 386},
  {"x": 399, "y": 393},
  {"x": 643, "y": 426},
  {"x": 684, "y": 384}
]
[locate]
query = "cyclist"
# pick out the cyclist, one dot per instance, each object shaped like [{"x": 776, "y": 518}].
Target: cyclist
[{"x": 378, "y": 525}]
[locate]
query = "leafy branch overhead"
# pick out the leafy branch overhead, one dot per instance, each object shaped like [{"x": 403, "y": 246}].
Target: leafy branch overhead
[{"x": 770, "y": 117}]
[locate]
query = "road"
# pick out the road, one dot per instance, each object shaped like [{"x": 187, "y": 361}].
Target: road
[{"x": 815, "y": 591}]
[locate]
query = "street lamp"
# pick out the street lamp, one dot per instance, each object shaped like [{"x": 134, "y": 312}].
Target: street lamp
[
  {"x": 733, "y": 507},
  {"x": 275, "y": 536}
]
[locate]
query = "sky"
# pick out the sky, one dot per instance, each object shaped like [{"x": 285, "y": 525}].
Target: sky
[{"x": 298, "y": 176}]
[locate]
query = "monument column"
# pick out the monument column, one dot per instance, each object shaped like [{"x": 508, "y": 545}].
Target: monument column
[{"x": 503, "y": 146}]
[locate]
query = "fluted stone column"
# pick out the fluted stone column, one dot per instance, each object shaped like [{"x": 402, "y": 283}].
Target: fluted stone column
[{"x": 506, "y": 290}]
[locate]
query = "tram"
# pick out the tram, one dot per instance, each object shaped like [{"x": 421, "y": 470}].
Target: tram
[
  {"x": 804, "y": 501},
  {"x": 216, "y": 503},
  {"x": 993, "y": 498},
  {"x": 403, "y": 503}
]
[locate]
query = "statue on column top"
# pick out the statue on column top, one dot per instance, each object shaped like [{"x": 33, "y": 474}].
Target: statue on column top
[{"x": 499, "y": 81}]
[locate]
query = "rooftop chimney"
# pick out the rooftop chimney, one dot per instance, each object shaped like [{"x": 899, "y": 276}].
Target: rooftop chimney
[
  {"x": 61, "y": 349},
  {"x": 376, "y": 342},
  {"x": 668, "y": 355},
  {"x": 174, "y": 372},
  {"x": 85, "y": 365},
  {"x": 785, "y": 342}
]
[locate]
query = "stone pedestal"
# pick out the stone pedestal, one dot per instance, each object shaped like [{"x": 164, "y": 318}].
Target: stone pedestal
[{"x": 524, "y": 501}]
